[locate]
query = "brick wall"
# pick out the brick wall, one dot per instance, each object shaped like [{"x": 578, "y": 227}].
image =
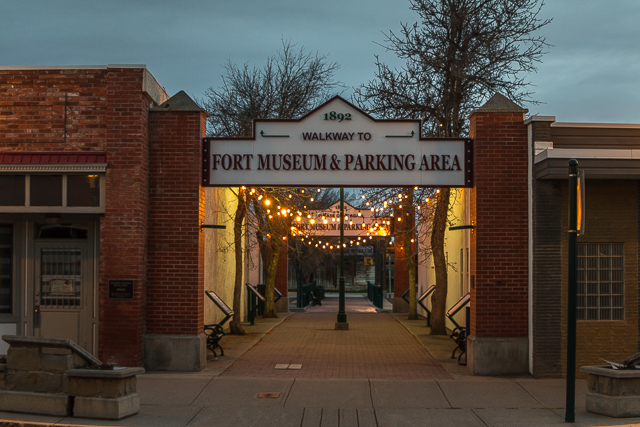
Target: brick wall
[
  {"x": 612, "y": 217},
  {"x": 499, "y": 212},
  {"x": 547, "y": 273},
  {"x": 123, "y": 228},
  {"x": 176, "y": 243},
  {"x": 282, "y": 272},
  {"x": 32, "y": 113},
  {"x": 102, "y": 109},
  {"x": 401, "y": 270}
]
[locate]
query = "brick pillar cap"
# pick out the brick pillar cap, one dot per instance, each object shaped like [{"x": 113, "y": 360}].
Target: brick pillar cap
[
  {"x": 499, "y": 104},
  {"x": 180, "y": 102}
]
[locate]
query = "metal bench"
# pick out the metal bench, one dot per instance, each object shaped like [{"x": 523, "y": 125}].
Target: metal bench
[
  {"x": 317, "y": 295},
  {"x": 459, "y": 334},
  {"x": 215, "y": 331}
]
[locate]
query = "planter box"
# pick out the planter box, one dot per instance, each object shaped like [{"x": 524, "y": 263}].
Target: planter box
[{"x": 615, "y": 393}]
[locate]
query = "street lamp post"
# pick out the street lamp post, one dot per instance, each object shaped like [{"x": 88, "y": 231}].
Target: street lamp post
[{"x": 341, "y": 323}]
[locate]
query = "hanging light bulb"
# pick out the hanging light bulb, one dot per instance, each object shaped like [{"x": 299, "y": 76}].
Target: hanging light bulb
[{"x": 267, "y": 202}]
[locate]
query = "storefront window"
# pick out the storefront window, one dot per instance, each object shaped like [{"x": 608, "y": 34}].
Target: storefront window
[
  {"x": 6, "y": 257},
  {"x": 83, "y": 190},
  {"x": 12, "y": 193},
  {"x": 600, "y": 281},
  {"x": 46, "y": 190}
]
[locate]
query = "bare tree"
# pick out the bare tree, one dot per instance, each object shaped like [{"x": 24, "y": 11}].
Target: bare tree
[
  {"x": 459, "y": 54},
  {"x": 290, "y": 84}
]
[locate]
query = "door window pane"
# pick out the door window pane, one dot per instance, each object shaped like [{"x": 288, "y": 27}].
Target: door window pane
[
  {"x": 60, "y": 277},
  {"x": 12, "y": 193},
  {"x": 6, "y": 256},
  {"x": 83, "y": 190},
  {"x": 46, "y": 190}
]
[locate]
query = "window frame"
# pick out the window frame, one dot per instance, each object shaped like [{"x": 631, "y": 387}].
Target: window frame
[
  {"x": 64, "y": 170},
  {"x": 583, "y": 309}
]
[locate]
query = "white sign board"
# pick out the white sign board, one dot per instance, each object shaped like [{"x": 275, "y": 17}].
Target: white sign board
[{"x": 337, "y": 145}]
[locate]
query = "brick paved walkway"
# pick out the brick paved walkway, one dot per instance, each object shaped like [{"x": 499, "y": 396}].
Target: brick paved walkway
[{"x": 376, "y": 346}]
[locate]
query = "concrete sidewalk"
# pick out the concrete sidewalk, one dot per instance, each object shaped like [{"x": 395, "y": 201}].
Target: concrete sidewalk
[{"x": 293, "y": 397}]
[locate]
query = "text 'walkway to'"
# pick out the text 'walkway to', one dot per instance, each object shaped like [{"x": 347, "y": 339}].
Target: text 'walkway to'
[{"x": 376, "y": 346}]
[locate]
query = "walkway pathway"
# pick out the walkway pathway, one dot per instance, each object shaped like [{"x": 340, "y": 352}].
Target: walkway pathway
[
  {"x": 360, "y": 382},
  {"x": 376, "y": 346}
]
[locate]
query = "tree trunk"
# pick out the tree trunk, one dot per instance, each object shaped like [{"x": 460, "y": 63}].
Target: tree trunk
[
  {"x": 270, "y": 284},
  {"x": 409, "y": 253},
  {"x": 439, "y": 297},
  {"x": 236, "y": 326}
]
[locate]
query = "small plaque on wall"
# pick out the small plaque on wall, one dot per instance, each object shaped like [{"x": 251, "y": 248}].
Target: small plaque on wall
[{"x": 120, "y": 289}]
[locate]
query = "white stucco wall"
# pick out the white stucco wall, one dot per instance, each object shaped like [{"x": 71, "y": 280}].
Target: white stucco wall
[
  {"x": 454, "y": 242},
  {"x": 219, "y": 272}
]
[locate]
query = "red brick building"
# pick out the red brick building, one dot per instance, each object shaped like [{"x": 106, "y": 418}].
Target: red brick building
[
  {"x": 101, "y": 210},
  {"x": 100, "y": 218}
]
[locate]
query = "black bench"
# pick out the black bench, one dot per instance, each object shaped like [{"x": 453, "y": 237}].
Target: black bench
[
  {"x": 215, "y": 331},
  {"x": 317, "y": 295},
  {"x": 459, "y": 334}
]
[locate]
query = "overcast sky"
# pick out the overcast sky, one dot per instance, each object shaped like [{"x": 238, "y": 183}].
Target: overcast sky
[{"x": 591, "y": 73}]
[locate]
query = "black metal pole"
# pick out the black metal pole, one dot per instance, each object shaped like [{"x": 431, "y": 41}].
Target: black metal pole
[
  {"x": 342, "y": 314},
  {"x": 570, "y": 410}
]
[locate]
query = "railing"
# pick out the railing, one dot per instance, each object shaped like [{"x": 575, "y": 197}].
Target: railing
[{"x": 375, "y": 295}]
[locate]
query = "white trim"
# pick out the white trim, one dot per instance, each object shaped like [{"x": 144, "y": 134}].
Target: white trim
[
  {"x": 596, "y": 125},
  {"x": 54, "y": 167},
  {"x": 540, "y": 119},
  {"x": 586, "y": 153}
]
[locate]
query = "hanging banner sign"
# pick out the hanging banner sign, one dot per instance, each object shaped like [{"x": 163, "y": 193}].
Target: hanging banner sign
[
  {"x": 337, "y": 145},
  {"x": 357, "y": 222}
]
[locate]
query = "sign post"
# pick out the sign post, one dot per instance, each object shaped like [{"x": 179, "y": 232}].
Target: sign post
[
  {"x": 570, "y": 412},
  {"x": 341, "y": 323}
]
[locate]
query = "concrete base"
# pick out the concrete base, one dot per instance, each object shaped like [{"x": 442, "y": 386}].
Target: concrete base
[
  {"x": 106, "y": 408},
  {"x": 614, "y": 393},
  {"x": 35, "y": 403},
  {"x": 179, "y": 353},
  {"x": 342, "y": 326},
  {"x": 282, "y": 306},
  {"x": 613, "y": 406},
  {"x": 400, "y": 305},
  {"x": 497, "y": 356}
]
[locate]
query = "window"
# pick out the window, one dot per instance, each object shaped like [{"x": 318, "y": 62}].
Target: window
[
  {"x": 64, "y": 193},
  {"x": 600, "y": 281},
  {"x": 6, "y": 260},
  {"x": 12, "y": 193}
]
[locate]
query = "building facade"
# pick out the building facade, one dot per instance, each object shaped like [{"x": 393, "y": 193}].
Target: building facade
[{"x": 101, "y": 208}]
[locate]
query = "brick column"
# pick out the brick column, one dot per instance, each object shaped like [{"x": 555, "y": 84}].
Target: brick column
[
  {"x": 175, "y": 310},
  {"x": 498, "y": 342},
  {"x": 400, "y": 278},
  {"x": 123, "y": 228}
]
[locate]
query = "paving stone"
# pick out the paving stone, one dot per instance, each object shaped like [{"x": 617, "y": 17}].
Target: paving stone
[{"x": 376, "y": 346}]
